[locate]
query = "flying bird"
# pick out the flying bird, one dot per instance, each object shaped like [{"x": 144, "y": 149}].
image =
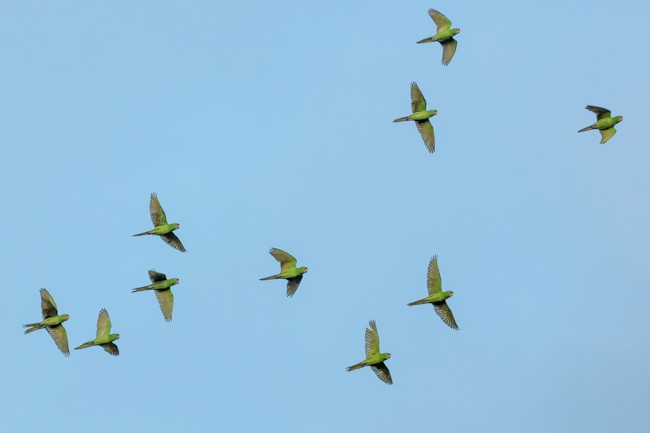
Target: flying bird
[
  {"x": 436, "y": 296},
  {"x": 421, "y": 117},
  {"x": 374, "y": 358},
  {"x": 604, "y": 122},
  {"x": 52, "y": 321},
  {"x": 160, "y": 225},
  {"x": 444, "y": 34},
  {"x": 162, "y": 287},
  {"x": 288, "y": 270},
  {"x": 104, "y": 337}
]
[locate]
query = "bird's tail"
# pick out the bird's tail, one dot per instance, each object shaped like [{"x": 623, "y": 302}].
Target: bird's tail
[
  {"x": 32, "y": 327},
  {"x": 140, "y": 289},
  {"x": 420, "y": 302},
  {"x": 425, "y": 40},
  {"x": 356, "y": 366},
  {"x": 143, "y": 233},
  {"x": 587, "y": 128},
  {"x": 402, "y": 119},
  {"x": 272, "y": 277},
  {"x": 86, "y": 344}
]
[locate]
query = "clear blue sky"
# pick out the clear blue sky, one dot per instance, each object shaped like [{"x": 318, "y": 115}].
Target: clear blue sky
[{"x": 269, "y": 124}]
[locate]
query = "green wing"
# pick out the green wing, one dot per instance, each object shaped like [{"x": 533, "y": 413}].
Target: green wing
[
  {"x": 172, "y": 240},
  {"x": 443, "y": 310},
  {"x": 287, "y": 261},
  {"x": 372, "y": 340},
  {"x": 418, "y": 103},
  {"x": 382, "y": 372},
  {"x": 111, "y": 348},
  {"x": 60, "y": 338},
  {"x": 606, "y": 134},
  {"x": 166, "y": 301},
  {"x": 156, "y": 276},
  {"x": 425, "y": 127},
  {"x": 442, "y": 22},
  {"x": 434, "y": 282},
  {"x": 48, "y": 306},
  {"x": 103, "y": 323},
  {"x": 601, "y": 113},
  {"x": 448, "y": 50},
  {"x": 292, "y": 284},
  {"x": 158, "y": 216}
]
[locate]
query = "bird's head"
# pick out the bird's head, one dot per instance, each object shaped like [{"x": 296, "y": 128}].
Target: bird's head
[
  {"x": 451, "y": 293},
  {"x": 177, "y": 225},
  {"x": 435, "y": 112},
  {"x": 117, "y": 336},
  {"x": 619, "y": 119},
  {"x": 456, "y": 31},
  {"x": 176, "y": 281},
  {"x": 65, "y": 317},
  {"x": 305, "y": 269},
  {"x": 388, "y": 356}
]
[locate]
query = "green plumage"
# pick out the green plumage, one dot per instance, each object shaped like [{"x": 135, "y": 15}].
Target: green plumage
[
  {"x": 374, "y": 358},
  {"x": 104, "y": 337},
  {"x": 162, "y": 287},
  {"x": 160, "y": 225},
  {"x": 52, "y": 321},
  {"x": 288, "y": 270},
  {"x": 421, "y": 117},
  {"x": 604, "y": 122},
  {"x": 437, "y": 297},
  {"x": 444, "y": 34}
]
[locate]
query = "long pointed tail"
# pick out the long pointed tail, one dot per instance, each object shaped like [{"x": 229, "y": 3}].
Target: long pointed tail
[
  {"x": 141, "y": 289},
  {"x": 32, "y": 327},
  {"x": 402, "y": 119},
  {"x": 420, "y": 302},
  {"x": 272, "y": 277},
  {"x": 356, "y": 366},
  {"x": 143, "y": 233},
  {"x": 587, "y": 128},
  {"x": 83, "y": 346},
  {"x": 425, "y": 40}
]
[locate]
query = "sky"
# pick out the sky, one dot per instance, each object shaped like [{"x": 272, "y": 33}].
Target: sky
[{"x": 269, "y": 124}]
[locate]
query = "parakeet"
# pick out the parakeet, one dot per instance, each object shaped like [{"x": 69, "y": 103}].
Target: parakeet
[
  {"x": 52, "y": 321},
  {"x": 161, "y": 227},
  {"x": 436, "y": 296},
  {"x": 104, "y": 337},
  {"x": 374, "y": 358},
  {"x": 604, "y": 122},
  {"x": 162, "y": 286},
  {"x": 444, "y": 34},
  {"x": 421, "y": 117},
  {"x": 288, "y": 270}
]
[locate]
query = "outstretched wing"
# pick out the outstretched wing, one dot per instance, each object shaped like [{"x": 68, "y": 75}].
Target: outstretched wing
[
  {"x": 158, "y": 216},
  {"x": 418, "y": 103},
  {"x": 372, "y": 339},
  {"x": 166, "y": 301},
  {"x": 606, "y": 134},
  {"x": 111, "y": 348},
  {"x": 442, "y": 22},
  {"x": 292, "y": 284},
  {"x": 172, "y": 240},
  {"x": 601, "y": 113},
  {"x": 434, "y": 282},
  {"x": 60, "y": 338},
  {"x": 382, "y": 372},
  {"x": 287, "y": 261},
  {"x": 443, "y": 310},
  {"x": 103, "y": 323},
  {"x": 425, "y": 128},
  {"x": 156, "y": 276},
  {"x": 48, "y": 306},
  {"x": 448, "y": 50}
]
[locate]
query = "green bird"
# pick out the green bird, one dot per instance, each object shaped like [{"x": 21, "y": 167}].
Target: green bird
[
  {"x": 104, "y": 337},
  {"x": 604, "y": 122},
  {"x": 444, "y": 34},
  {"x": 161, "y": 227},
  {"x": 162, "y": 286},
  {"x": 436, "y": 296},
  {"x": 374, "y": 358},
  {"x": 288, "y": 270},
  {"x": 421, "y": 117},
  {"x": 52, "y": 321}
]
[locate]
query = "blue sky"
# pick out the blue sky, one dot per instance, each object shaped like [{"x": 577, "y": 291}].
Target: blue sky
[{"x": 269, "y": 124}]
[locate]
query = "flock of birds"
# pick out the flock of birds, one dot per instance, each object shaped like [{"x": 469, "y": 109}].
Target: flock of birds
[{"x": 161, "y": 285}]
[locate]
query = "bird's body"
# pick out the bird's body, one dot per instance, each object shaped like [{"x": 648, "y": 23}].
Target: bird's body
[
  {"x": 437, "y": 297},
  {"x": 161, "y": 227},
  {"x": 604, "y": 122},
  {"x": 104, "y": 337},
  {"x": 421, "y": 117},
  {"x": 444, "y": 35},
  {"x": 162, "y": 287},
  {"x": 52, "y": 321},
  {"x": 374, "y": 358},
  {"x": 288, "y": 270}
]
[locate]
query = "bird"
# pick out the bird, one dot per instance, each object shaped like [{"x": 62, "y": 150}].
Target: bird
[
  {"x": 52, "y": 321},
  {"x": 288, "y": 270},
  {"x": 104, "y": 337},
  {"x": 162, "y": 286},
  {"x": 374, "y": 358},
  {"x": 421, "y": 117},
  {"x": 436, "y": 296},
  {"x": 444, "y": 34},
  {"x": 604, "y": 122},
  {"x": 161, "y": 227}
]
